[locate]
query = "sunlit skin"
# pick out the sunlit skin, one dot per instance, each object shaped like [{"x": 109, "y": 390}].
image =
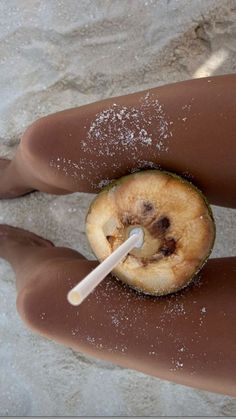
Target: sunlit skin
[{"x": 188, "y": 337}]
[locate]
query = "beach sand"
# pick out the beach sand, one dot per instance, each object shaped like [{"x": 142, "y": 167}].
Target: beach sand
[{"x": 65, "y": 53}]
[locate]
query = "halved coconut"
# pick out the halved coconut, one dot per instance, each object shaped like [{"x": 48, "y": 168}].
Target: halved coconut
[{"x": 177, "y": 222}]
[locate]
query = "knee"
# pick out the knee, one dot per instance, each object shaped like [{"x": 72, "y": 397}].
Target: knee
[
  {"x": 30, "y": 309},
  {"x": 42, "y": 303},
  {"x": 39, "y": 148},
  {"x": 39, "y": 303},
  {"x": 35, "y": 141}
]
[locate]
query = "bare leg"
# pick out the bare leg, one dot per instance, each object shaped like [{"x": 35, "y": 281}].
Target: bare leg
[
  {"x": 10, "y": 188},
  {"x": 188, "y": 337},
  {"x": 186, "y": 127},
  {"x": 18, "y": 178}
]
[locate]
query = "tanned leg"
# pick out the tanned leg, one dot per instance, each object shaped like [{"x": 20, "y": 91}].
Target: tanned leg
[
  {"x": 187, "y": 127},
  {"x": 188, "y": 337},
  {"x": 18, "y": 177}
]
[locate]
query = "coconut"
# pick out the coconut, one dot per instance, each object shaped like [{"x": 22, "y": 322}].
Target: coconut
[{"x": 177, "y": 222}]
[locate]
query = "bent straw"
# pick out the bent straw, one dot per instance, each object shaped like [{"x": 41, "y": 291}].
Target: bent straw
[{"x": 87, "y": 285}]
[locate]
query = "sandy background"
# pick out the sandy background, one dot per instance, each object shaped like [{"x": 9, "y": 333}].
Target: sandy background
[{"x": 57, "y": 54}]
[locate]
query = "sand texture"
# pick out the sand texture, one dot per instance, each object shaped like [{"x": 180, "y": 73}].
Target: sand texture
[{"x": 56, "y": 54}]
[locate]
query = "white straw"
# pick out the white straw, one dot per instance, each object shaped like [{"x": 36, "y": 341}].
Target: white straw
[{"x": 87, "y": 285}]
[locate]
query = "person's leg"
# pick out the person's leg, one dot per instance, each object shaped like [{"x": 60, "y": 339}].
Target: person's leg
[
  {"x": 188, "y": 337},
  {"x": 26, "y": 251},
  {"x": 187, "y": 127},
  {"x": 18, "y": 177}
]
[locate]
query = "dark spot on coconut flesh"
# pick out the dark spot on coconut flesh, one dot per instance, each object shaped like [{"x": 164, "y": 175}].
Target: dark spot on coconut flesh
[
  {"x": 159, "y": 227},
  {"x": 168, "y": 247},
  {"x": 147, "y": 207}
]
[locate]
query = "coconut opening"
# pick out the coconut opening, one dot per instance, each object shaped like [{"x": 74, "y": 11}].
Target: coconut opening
[
  {"x": 150, "y": 244},
  {"x": 138, "y": 231},
  {"x": 177, "y": 226},
  {"x": 155, "y": 245}
]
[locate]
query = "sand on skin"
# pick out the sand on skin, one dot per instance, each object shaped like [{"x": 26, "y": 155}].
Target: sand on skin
[{"x": 56, "y": 55}]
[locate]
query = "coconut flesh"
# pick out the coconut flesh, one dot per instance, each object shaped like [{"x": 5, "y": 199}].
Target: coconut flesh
[{"x": 177, "y": 224}]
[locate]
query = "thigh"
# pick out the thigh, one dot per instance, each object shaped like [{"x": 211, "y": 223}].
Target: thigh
[
  {"x": 188, "y": 337},
  {"x": 187, "y": 127}
]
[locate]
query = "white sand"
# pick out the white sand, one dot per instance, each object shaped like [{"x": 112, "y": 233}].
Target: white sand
[{"x": 59, "y": 54}]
